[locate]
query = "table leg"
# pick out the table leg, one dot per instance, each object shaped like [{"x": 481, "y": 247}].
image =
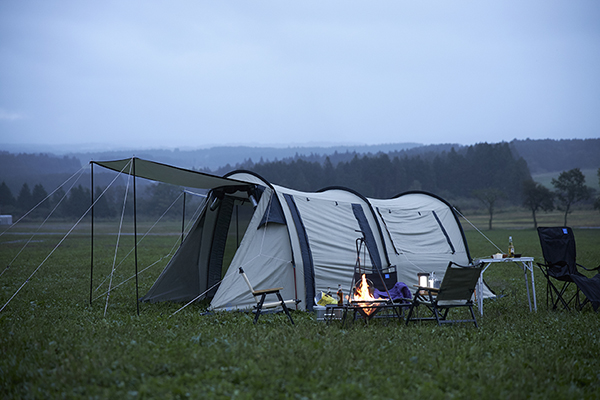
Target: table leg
[
  {"x": 480, "y": 294},
  {"x": 480, "y": 289},
  {"x": 344, "y": 315},
  {"x": 530, "y": 266},
  {"x": 527, "y": 285}
]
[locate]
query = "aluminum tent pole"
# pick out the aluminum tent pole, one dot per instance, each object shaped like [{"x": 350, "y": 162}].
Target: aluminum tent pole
[
  {"x": 137, "y": 302},
  {"x": 92, "y": 231},
  {"x": 183, "y": 218}
]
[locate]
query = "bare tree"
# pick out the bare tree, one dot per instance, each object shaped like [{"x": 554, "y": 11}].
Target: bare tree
[
  {"x": 489, "y": 197},
  {"x": 570, "y": 188},
  {"x": 537, "y": 197}
]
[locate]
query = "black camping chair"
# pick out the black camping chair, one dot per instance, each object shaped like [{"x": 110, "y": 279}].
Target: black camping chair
[
  {"x": 456, "y": 290},
  {"x": 558, "y": 248}
]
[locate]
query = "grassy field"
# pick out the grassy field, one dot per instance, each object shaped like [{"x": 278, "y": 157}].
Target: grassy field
[
  {"x": 55, "y": 345},
  {"x": 591, "y": 178},
  {"x": 520, "y": 219}
]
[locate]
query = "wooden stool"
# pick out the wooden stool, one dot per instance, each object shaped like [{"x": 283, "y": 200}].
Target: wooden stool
[{"x": 260, "y": 296}]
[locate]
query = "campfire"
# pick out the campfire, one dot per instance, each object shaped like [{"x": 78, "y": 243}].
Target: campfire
[{"x": 363, "y": 298}]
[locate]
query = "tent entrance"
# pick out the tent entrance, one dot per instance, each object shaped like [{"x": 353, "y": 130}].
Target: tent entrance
[
  {"x": 241, "y": 214},
  {"x": 227, "y": 220},
  {"x": 208, "y": 249}
]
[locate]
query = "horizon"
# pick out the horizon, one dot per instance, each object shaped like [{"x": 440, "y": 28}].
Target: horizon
[{"x": 85, "y": 148}]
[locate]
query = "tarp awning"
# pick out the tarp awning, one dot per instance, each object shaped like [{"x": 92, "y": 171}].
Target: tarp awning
[{"x": 169, "y": 174}]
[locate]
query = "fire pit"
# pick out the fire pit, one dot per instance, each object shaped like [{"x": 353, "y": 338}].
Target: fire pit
[
  {"x": 366, "y": 298},
  {"x": 367, "y": 303},
  {"x": 363, "y": 301}
]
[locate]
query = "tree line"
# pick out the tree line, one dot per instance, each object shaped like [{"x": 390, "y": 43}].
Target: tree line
[
  {"x": 491, "y": 174},
  {"x": 155, "y": 200},
  {"x": 37, "y": 203},
  {"x": 451, "y": 174}
]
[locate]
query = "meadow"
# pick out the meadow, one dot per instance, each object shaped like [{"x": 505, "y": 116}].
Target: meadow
[{"x": 54, "y": 344}]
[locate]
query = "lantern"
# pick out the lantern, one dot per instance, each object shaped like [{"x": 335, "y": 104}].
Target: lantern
[{"x": 423, "y": 279}]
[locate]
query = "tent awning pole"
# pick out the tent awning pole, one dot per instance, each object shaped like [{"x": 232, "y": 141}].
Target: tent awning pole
[
  {"x": 137, "y": 302},
  {"x": 183, "y": 218},
  {"x": 92, "y": 232}
]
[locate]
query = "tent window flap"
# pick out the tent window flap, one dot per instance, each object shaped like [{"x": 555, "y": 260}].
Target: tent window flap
[{"x": 417, "y": 232}]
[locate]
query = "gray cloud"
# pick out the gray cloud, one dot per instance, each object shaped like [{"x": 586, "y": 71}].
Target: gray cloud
[
  {"x": 7, "y": 115},
  {"x": 201, "y": 72}
]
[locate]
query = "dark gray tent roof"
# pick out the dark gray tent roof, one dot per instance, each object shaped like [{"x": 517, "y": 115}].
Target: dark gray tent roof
[{"x": 169, "y": 174}]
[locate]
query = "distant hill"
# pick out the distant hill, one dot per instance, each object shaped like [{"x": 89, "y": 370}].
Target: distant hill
[
  {"x": 214, "y": 158},
  {"x": 47, "y": 169},
  {"x": 542, "y": 156},
  {"x": 547, "y": 155}
]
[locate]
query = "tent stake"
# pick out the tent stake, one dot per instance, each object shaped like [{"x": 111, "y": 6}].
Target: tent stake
[{"x": 137, "y": 302}]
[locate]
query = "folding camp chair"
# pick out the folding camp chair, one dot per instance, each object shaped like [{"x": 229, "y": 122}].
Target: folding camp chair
[
  {"x": 456, "y": 290},
  {"x": 558, "y": 248},
  {"x": 260, "y": 296}
]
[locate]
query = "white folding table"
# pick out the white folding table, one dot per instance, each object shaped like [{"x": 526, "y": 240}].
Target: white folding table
[{"x": 526, "y": 263}]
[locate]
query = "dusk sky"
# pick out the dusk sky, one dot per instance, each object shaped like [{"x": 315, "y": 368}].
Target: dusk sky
[{"x": 193, "y": 74}]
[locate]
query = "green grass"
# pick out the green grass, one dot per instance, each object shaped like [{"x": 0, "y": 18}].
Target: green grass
[{"x": 53, "y": 344}]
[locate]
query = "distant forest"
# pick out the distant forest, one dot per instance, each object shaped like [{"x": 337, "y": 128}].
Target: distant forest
[
  {"x": 452, "y": 174},
  {"x": 451, "y": 171},
  {"x": 541, "y": 155}
]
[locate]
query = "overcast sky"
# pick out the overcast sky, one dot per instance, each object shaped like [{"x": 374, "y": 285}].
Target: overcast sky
[{"x": 198, "y": 73}]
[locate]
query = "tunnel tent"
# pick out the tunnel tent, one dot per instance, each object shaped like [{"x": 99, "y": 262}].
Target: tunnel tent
[{"x": 304, "y": 242}]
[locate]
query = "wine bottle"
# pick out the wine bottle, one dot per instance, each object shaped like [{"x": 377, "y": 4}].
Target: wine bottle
[{"x": 511, "y": 247}]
